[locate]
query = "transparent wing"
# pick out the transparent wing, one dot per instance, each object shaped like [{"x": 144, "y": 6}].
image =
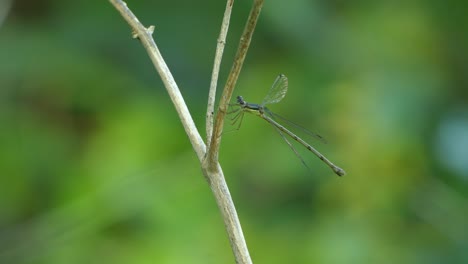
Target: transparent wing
[{"x": 277, "y": 91}]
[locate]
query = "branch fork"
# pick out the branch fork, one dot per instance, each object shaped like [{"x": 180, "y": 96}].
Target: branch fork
[{"x": 208, "y": 157}]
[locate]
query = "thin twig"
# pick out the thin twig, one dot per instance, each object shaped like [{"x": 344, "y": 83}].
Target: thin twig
[
  {"x": 213, "y": 148},
  {"x": 144, "y": 34},
  {"x": 215, "y": 73}
]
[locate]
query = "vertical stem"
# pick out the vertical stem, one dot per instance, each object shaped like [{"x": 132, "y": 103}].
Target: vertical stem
[
  {"x": 226, "y": 206},
  {"x": 215, "y": 73},
  {"x": 213, "y": 148}
]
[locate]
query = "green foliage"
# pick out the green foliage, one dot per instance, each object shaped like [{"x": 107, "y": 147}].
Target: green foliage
[{"x": 95, "y": 166}]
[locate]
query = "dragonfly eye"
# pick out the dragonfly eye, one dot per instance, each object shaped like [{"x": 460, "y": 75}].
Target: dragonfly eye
[{"x": 240, "y": 100}]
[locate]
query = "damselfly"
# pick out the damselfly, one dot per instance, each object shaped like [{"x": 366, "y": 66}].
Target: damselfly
[{"x": 276, "y": 94}]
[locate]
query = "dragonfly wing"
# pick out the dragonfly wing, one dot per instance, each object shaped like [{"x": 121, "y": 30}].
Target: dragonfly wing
[{"x": 277, "y": 91}]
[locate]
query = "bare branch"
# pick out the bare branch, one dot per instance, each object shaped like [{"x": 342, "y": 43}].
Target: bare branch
[
  {"x": 216, "y": 66},
  {"x": 144, "y": 34},
  {"x": 213, "y": 148}
]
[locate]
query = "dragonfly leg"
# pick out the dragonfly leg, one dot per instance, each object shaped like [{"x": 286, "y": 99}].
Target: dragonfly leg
[{"x": 293, "y": 148}]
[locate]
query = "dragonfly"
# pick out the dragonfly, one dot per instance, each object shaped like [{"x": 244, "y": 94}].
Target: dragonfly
[{"x": 276, "y": 93}]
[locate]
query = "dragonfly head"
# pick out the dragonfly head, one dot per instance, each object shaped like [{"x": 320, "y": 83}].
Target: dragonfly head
[{"x": 240, "y": 100}]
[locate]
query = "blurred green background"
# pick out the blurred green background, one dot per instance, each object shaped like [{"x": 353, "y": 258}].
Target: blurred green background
[{"x": 95, "y": 166}]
